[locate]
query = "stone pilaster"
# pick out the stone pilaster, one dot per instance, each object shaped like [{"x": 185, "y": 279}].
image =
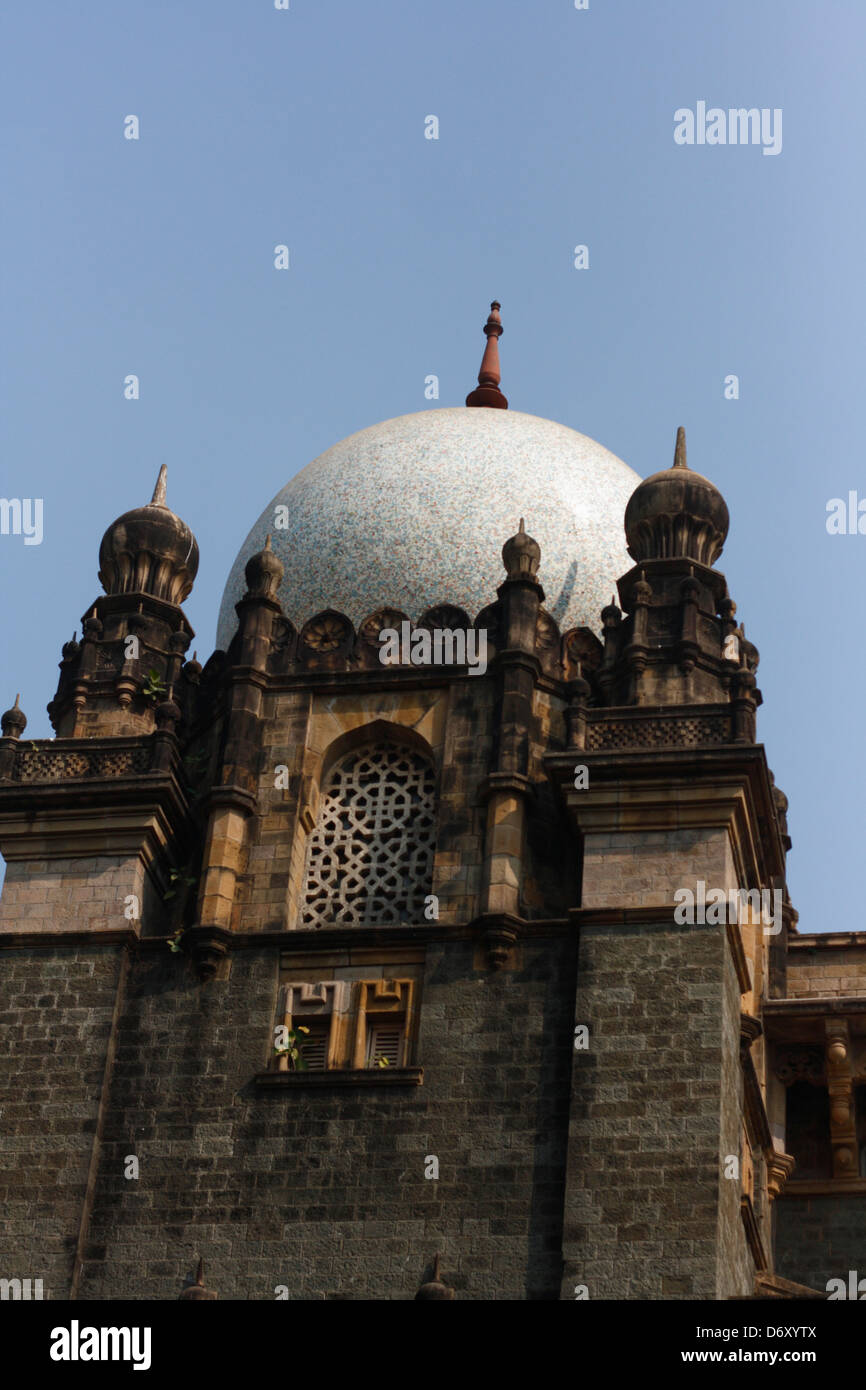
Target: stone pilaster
[{"x": 658, "y": 1106}]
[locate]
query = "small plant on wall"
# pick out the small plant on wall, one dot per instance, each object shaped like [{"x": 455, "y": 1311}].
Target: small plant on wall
[
  {"x": 154, "y": 687},
  {"x": 180, "y": 881},
  {"x": 290, "y": 1044}
]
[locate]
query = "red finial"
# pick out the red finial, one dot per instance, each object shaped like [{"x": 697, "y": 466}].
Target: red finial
[{"x": 487, "y": 391}]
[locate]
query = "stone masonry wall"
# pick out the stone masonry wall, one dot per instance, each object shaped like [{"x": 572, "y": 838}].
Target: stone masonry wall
[
  {"x": 324, "y": 1190},
  {"x": 821, "y": 1238},
  {"x": 75, "y": 894},
  {"x": 625, "y": 869},
  {"x": 827, "y": 970},
  {"x": 644, "y": 1216},
  {"x": 56, "y": 1007}
]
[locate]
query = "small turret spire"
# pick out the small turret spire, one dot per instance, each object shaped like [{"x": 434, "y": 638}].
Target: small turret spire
[
  {"x": 680, "y": 450},
  {"x": 13, "y": 722},
  {"x": 196, "y": 1292},
  {"x": 158, "y": 498},
  {"x": 434, "y": 1288},
  {"x": 487, "y": 391}
]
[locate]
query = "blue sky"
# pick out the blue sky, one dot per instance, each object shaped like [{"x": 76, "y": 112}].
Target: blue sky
[{"x": 306, "y": 127}]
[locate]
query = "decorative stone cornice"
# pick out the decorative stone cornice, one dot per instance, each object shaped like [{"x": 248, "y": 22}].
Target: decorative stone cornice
[
  {"x": 815, "y": 1007},
  {"x": 76, "y": 819},
  {"x": 725, "y": 787},
  {"x": 513, "y": 782},
  {"x": 233, "y": 796},
  {"x": 41, "y": 940}
]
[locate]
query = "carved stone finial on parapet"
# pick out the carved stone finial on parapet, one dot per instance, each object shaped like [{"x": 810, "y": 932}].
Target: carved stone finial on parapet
[
  {"x": 676, "y": 514},
  {"x": 13, "y": 721},
  {"x": 521, "y": 555},
  {"x": 196, "y": 1291},
  {"x": 167, "y": 714},
  {"x": 263, "y": 573},
  {"x": 579, "y": 695},
  {"x": 191, "y": 670},
  {"x": 435, "y": 1288}
]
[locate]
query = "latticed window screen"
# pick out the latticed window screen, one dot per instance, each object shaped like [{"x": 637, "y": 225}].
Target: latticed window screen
[{"x": 370, "y": 859}]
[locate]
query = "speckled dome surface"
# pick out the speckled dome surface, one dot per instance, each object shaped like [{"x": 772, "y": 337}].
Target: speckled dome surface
[{"x": 414, "y": 511}]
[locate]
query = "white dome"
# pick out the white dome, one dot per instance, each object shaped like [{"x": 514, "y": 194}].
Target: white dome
[{"x": 414, "y": 511}]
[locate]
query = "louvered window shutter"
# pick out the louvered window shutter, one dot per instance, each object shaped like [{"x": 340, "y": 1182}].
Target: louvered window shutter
[
  {"x": 315, "y": 1049},
  {"x": 386, "y": 1041}
]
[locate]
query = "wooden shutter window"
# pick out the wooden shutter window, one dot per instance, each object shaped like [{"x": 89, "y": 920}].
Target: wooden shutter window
[
  {"x": 385, "y": 1041},
  {"x": 315, "y": 1048}
]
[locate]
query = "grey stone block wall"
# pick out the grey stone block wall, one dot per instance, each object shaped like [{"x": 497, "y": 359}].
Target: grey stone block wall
[
  {"x": 56, "y": 1007},
  {"x": 645, "y": 1215},
  {"x": 735, "y": 1269},
  {"x": 324, "y": 1191},
  {"x": 820, "y": 1238}
]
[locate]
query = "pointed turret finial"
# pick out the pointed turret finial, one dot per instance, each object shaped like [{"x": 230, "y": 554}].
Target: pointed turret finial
[
  {"x": 13, "y": 721},
  {"x": 263, "y": 573},
  {"x": 487, "y": 391},
  {"x": 521, "y": 555},
  {"x": 158, "y": 498},
  {"x": 434, "y": 1288},
  {"x": 196, "y": 1292},
  {"x": 676, "y": 514}
]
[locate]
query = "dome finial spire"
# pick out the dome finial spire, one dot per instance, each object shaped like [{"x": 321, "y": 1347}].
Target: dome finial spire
[
  {"x": 487, "y": 391},
  {"x": 158, "y": 498},
  {"x": 680, "y": 450}
]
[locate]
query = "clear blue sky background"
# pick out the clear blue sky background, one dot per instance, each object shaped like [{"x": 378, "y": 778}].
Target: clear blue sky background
[{"x": 556, "y": 128}]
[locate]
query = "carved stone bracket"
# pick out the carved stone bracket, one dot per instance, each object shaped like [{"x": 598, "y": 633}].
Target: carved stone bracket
[
  {"x": 208, "y": 946},
  {"x": 779, "y": 1168},
  {"x": 501, "y": 932}
]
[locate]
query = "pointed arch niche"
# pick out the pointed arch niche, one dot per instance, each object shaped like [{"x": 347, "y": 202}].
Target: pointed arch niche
[{"x": 371, "y": 841}]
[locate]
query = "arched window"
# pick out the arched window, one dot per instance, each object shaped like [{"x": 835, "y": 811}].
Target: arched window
[{"x": 370, "y": 858}]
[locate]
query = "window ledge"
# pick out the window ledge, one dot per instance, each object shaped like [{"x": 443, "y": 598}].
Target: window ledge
[
  {"x": 325, "y": 1080},
  {"x": 822, "y": 1187}
]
